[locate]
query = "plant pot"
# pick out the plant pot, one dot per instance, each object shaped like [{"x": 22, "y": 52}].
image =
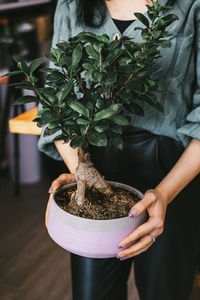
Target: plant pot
[{"x": 88, "y": 237}]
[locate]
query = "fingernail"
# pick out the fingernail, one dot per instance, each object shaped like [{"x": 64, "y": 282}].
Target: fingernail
[
  {"x": 132, "y": 212},
  {"x": 124, "y": 258},
  {"x": 121, "y": 245},
  {"x": 51, "y": 190},
  {"x": 120, "y": 256}
]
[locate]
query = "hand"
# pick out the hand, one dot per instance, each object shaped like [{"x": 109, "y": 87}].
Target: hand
[
  {"x": 58, "y": 182},
  {"x": 155, "y": 204}
]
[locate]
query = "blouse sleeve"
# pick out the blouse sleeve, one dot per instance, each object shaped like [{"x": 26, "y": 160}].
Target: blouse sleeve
[
  {"x": 61, "y": 32},
  {"x": 191, "y": 128}
]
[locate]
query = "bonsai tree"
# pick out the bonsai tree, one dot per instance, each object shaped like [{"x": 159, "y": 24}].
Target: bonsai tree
[{"x": 92, "y": 86}]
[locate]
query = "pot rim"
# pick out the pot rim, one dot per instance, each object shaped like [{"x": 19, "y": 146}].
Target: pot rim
[{"x": 112, "y": 183}]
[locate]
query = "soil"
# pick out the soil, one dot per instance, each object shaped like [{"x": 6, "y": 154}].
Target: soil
[{"x": 96, "y": 205}]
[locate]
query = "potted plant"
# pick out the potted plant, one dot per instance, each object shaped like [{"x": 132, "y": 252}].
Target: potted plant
[{"x": 85, "y": 101}]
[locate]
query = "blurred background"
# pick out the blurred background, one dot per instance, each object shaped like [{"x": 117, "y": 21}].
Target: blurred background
[{"x": 32, "y": 266}]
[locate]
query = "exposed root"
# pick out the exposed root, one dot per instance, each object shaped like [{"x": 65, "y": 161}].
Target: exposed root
[{"x": 87, "y": 176}]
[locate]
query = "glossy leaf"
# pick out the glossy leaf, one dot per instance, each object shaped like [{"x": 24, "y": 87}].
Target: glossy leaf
[
  {"x": 22, "y": 85},
  {"x": 101, "y": 127},
  {"x": 77, "y": 54},
  {"x": 26, "y": 99},
  {"x": 92, "y": 52},
  {"x": 48, "y": 132},
  {"x": 81, "y": 121},
  {"x": 116, "y": 129},
  {"x": 77, "y": 142},
  {"x": 135, "y": 108},
  {"x": 120, "y": 120},
  {"x": 35, "y": 64},
  {"x": 48, "y": 115},
  {"x": 64, "y": 91},
  {"x": 97, "y": 139},
  {"x": 142, "y": 19},
  {"x": 117, "y": 141},
  {"x": 12, "y": 73},
  {"x": 103, "y": 38},
  {"x": 21, "y": 64},
  {"x": 79, "y": 108},
  {"x": 108, "y": 112},
  {"x": 62, "y": 137}
]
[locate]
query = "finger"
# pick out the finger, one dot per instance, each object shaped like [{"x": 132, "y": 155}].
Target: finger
[
  {"x": 139, "y": 232},
  {"x": 141, "y": 206},
  {"x": 61, "y": 180},
  {"x": 47, "y": 210},
  {"x": 144, "y": 242},
  {"x": 136, "y": 253}
]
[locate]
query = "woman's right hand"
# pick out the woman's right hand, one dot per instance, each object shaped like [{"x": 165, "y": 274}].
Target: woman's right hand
[{"x": 56, "y": 184}]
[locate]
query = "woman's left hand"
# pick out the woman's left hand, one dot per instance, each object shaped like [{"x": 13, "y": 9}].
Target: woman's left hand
[{"x": 155, "y": 204}]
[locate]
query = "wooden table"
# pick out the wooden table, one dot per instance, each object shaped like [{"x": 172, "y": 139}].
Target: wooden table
[{"x": 24, "y": 124}]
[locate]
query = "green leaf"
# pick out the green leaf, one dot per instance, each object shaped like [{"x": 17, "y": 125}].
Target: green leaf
[
  {"x": 48, "y": 115},
  {"x": 156, "y": 34},
  {"x": 125, "y": 61},
  {"x": 66, "y": 112},
  {"x": 62, "y": 137},
  {"x": 22, "y": 85},
  {"x": 98, "y": 47},
  {"x": 103, "y": 38},
  {"x": 39, "y": 121},
  {"x": 26, "y": 99},
  {"x": 12, "y": 73},
  {"x": 92, "y": 52},
  {"x": 153, "y": 102},
  {"x": 96, "y": 139},
  {"x": 35, "y": 64},
  {"x": 110, "y": 78},
  {"x": 170, "y": 18},
  {"x": 77, "y": 54},
  {"x": 81, "y": 121},
  {"x": 64, "y": 91},
  {"x": 53, "y": 125},
  {"x": 164, "y": 44},
  {"x": 57, "y": 53},
  {"x": 101, "y": 127},
  {"x": 48, "y": 93},
  {"x": 78, "y": 141},
  {"x": 120, "y": 120},
  {"x": 117, "y": 141},
  {"x": 108, "y": 112},
  {"x": 142, "y": 19},
  {"x": 63, "y": 46},
  {"x": 21, "y": 64},
  {"x": 70, "y": 122},
  {"x": 97, "y": 76},
  {"x": 116, "y": 129},
  {"x": 88, "y": 75},
  {"x": 48, "y": 132},
  {"x": 135, "y": 108},
  {"x": 55, "y": 76},
  {"x": 99, "y": 104},
  {"x": 88, "y": 66},
  {"x": 90, "y": 105},
  {"x": 78, "y": 107},
  {"x": 113, "y": 57},
  {"x": 151, "y": 82}
]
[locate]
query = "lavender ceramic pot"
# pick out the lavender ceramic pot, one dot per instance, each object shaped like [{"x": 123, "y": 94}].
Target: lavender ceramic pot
[{"x": 87, "y": 237}]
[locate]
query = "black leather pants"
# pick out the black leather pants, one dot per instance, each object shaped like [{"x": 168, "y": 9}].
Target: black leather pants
[{"x": 166, "y": 270}]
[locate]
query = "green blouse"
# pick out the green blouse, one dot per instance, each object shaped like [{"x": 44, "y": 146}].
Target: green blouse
[{"x": 178, "y": 70}]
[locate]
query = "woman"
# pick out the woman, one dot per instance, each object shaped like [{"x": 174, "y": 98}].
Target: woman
[{"x": 161, "y": 157}]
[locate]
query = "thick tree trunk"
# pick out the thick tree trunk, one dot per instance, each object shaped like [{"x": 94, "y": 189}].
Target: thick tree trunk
[{"x": 87, "y": 176}]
